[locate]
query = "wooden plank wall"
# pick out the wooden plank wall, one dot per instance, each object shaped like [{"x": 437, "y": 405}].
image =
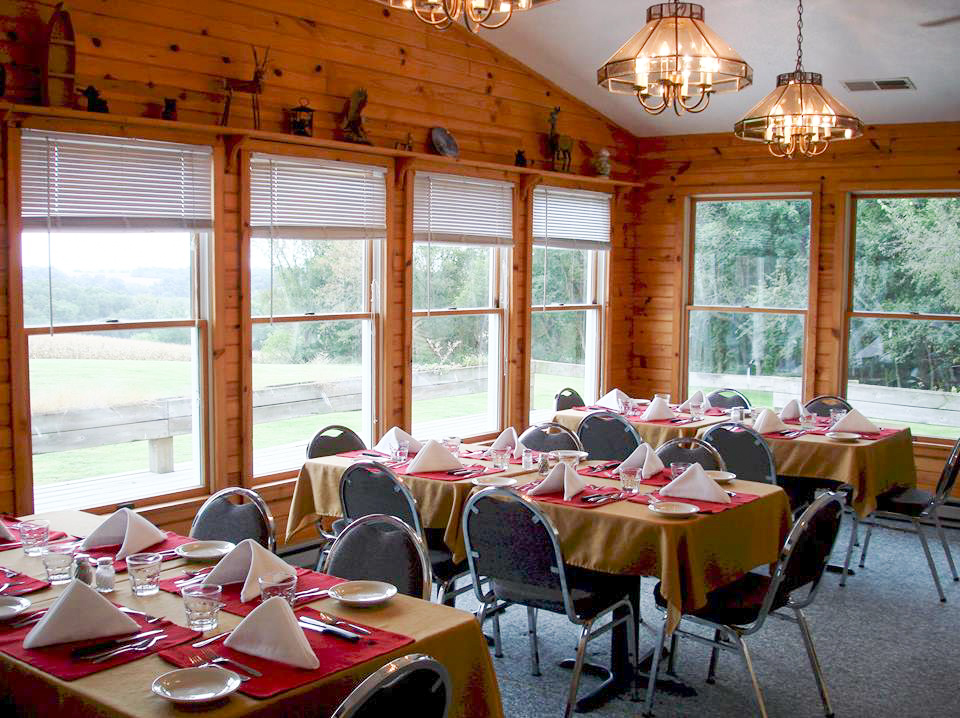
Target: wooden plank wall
[{"x": 890, "y": 157}]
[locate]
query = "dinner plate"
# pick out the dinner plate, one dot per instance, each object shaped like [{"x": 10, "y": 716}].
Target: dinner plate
[
  {"x": 568, "y": 455},
  {"x": 360, "y": 594},
  {"x": 11, "y": 606},
  {"x": 673, "y": 508},
  {"x": 196, "y": 685},
  {"x": 721, "y": 477},
  {"x": 842, "y": 436},
  {"x": 204, "y": 550},
  {"x": 500, "y": 481}
]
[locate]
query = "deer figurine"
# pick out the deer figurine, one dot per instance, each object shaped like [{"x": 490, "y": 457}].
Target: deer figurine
[
  {"x": 254, "y": 87},
  {"x": 561, "y": 146}
]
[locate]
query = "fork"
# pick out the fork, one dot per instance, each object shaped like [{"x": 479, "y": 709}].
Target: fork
[
  {"x": 10, "y": 584},
  {"x": 146, "y": 616},
  {"x": 213, "y": 657},
  {"x": 199, "y": 661},
  {"x": 9, "y": 572},
  {"x": 145, "y": 645},
  {"x": 339, "y": 621}
]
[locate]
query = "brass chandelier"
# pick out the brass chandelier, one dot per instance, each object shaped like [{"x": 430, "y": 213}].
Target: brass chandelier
[
  {"x": 799, "y": 118},
  {"x": 676, "y": 60},
  {"x": 476, "y": 14}
]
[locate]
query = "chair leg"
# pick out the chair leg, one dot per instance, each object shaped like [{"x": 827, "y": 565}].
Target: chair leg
[
  {"x": 933, "y": 567},
  {"x": 497, "y": 644},
  {"x": 946, "y": 545},
  {"x": 654, "y": 666},
  {"x": 632, "y": 651},
  {"x": 577, "y": 669},
  {"x": 856, "y": 526},
  {"x": 814, "y": 662},
  {"x": 753, "y": 676},
  {"x": 866, "y": 542},
  {"x": 714, "y": 657},
  {"x": 671, "y": 659},
  {"x": 846, "y": 560},
  {"x": 534, "y": 647}
]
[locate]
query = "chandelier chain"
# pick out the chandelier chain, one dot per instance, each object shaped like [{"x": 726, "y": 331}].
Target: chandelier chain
[{"x": 800, "y": 36}]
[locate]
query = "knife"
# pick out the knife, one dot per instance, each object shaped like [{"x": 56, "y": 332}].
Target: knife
[
  {"x": 321, "y": 627},
  {"x": 93, "y": 649},
  {"x": 358, "y": 629}
]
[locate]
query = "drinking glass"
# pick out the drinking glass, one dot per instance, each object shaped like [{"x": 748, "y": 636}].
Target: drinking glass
[
  {"x": 402, "y": 452},
  {"x": 678, "y": 467},
  {"x": 144, "y": 570},
  {"x": 501, "y": 457},
  {"x": 836, "y": 415},
  {"x": 58, "y": 562},
  {"x": 527, "y": 459},
  {"x": 736, "y": 415},
  {"x": 630, "y": 480},
  {"x": 202, "y": 605},
  {"x": 665, "y": 397},
  {"x": 34, "y": 536},
  {"x": 278, "y": 584},
  {"x": 696, "y": 410},
  {"x": 452, "y": 444},
  {"x": 808, "y": 421}
]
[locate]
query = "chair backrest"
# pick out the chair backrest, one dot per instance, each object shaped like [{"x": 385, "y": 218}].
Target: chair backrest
[
  {"x": 367, "y": 487},
  {"x": 550, "y": 437},
  {"x": 378, "y": 547},
  {"x": 822, "y": 405},
  {"x": 413, "y": 680},
  {"x": 727, "y": 399},
  {"x": 334, "y": 439},
  {"x": 743, "y": 451},
  {"x": 567, "y": 399},
  {"x": 509, "y": 539},
  {"x": 691, "y": 450},
  {"x": 608, "y": 436},
  {"x": 220, "y": 519},
  {"x": 948, "y": 477}
]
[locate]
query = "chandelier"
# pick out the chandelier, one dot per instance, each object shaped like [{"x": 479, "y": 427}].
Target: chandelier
[
  {"x": 799, "y": 117},
  {"x": 675, "y": 60},
  {"x": 476, "y": 14}
]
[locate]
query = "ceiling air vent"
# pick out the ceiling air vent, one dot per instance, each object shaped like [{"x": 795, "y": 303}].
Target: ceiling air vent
[{"x": 896, "y": 83}]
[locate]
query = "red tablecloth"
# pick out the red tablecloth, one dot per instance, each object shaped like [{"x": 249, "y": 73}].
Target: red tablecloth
[
  {"x": 705, "y": 507},
  {"x": 445, "y": 476},
  {"x": 13, "y": 524},
  {"x": 23, "y": 584},
  {"x": 577, "y": 501},
  {"x": 171, "y": 542}
]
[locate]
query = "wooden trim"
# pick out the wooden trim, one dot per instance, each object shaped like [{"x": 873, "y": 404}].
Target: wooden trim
[
  {"x": 112, "y": 326},
  {"x": 811, "y": 317},
  {"x": 345, "y": 316},
  {"x": 743, "y": 310},
  {"x": 246, "y": 326},
  {"x": 456, "y": 312},
  {"x": 566, "y": 307},
  {"x": 906, "y": 315}
]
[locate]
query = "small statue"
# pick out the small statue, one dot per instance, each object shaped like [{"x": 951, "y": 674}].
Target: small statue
[
  {"x": 601, "y": 163},
  {"x": 253, "y": 86},
  {"x": 520, "y": 160},
  {"x": 406, "y": 145},
  {"x": 95, "y": 103},
  {"x": 561, "y": 146},
  {"x": 352, "y": 124},
  {"x": 169, "y": 111}
]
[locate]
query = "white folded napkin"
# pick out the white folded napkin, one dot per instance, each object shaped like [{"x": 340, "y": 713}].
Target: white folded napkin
[
  {"x": 246, "y": 563},
  {"x": 793, "y": 410},
  {"x": 388, "y": 443},
  {"x": 77, "y": 614},
  {"x": 5, "y": 533},
  {"x": 697, "y": 396},
  {"x": 271, "y": 631},
  {"x": 506, "y": 440},
  {"x": 433, "y": 457},
  {"x": 768, "y": 422},
  {"x": 518, "y": 450},
  {"x": 127, "y": 528},
  {"x": 613, "y": 399},
  {"x": 855, "y": 421},
  {"x": 636, "y": 458},
  {"x": 695, "y": 484},
  {"x": 652, "y": 465},
  {"x": 656, "y": 410},
  {"x": 561, "y": 476}
]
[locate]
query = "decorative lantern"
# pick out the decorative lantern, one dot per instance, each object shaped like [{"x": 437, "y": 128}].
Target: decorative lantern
[{"x": 301, "y": 119}]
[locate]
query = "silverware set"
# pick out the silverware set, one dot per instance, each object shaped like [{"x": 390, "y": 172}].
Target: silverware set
[
  {"x": 312, "y": 624},
  {"x": 466, "y": 473},
  {"x": 604, "y": 498},
  {"x": 10, "y": 584},
  {"x": 212, "y": 639},
  {"x": 208, "y": 657},
  {"x": 143, "y": 645}
]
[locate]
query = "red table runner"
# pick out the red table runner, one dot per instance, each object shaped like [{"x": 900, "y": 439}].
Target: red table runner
[
  {"x": 168, "y": 544},
  {"x": 13, "y": 524},
  {"x": 445, "y": 476},
  {"x": 705, "y": 507},
  {"x": 22, "y": 584},
  {"x": 577, "y": 501},
  {"x": 335, "y": 654}
]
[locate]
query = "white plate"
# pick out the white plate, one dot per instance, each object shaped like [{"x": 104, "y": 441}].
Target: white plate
[
  {"x": 842, "y": 436},
  {"x": 11, "y": 606},
  {"x": 204, "y": 550},
  {"x": 721, "y": 477},
  {"x": 363, "y": 593},
  {"x": 673, "y": 508},
  {"x": 196, "y": 685},
  {"x": 500, "y": 481}
]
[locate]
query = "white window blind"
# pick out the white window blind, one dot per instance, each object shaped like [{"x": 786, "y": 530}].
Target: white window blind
[
  {"x": 462, "y": 210},
  {"x": 571, "y": 219},
  {"x": 300, "y": 198},
  {"x": 83, "y": 182}
]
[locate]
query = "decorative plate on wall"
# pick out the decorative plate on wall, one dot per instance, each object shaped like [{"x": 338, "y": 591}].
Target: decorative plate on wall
[{"x": 443, "y": 142}]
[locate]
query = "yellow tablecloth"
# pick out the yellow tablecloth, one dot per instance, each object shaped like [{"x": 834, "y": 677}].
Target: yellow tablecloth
[{"x": 653, "y": 434}]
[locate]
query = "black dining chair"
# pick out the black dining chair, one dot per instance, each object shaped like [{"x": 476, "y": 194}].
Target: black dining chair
[
  {"x": 550, "y": 437},
  {"x": 514, "y": 546},
  {"x": 334, "y": 439},
  {"x": 822, "y": 405},
  {"x": 608, "y": 436},
  {"x": 567, "y": 399},
  {"x": 378, "y": 547},
  {"x": 220, "y": 518},
  {"x": 413, "y": 680},
  {"x": 743, "y": 451},
  {"x": 741, "y": 608},
  {"x": 691, "y": 450},
  {"x": 727, "y": 399}
]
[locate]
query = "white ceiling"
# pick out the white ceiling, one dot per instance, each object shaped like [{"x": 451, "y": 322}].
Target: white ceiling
[{"x": 567, "y": 40}]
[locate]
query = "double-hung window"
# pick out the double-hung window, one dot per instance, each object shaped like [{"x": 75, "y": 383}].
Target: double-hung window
[
  {"x": 114, "y": 248},
  {"x": 571, "y": 243},
  {"x": 463, "y": 231},
  {"x": 748, "y": 296},
  {"x": 316, "y": 233}
]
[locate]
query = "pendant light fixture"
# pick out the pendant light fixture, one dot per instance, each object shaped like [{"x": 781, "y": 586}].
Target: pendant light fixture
[
  {"x": 676, "y": 60},
  {"x": 476, "y": 14},
  {"x": 799, "y": 118}
]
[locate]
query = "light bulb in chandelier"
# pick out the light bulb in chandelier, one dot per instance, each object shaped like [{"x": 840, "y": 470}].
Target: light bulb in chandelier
[{"x": 475, "y": 14}]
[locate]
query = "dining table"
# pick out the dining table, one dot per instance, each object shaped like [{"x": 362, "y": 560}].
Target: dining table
[
  {"x": 654, "y": 433},
  {"x": 452, "y": 637}
]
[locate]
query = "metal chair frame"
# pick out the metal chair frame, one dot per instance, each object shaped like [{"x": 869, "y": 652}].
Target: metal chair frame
[
  {"x": 400, "y": 524},
  {"x": 691, "y": 442},
  {"x": 628, "y": 428},
  {"x": 546, "y": 428},
  {"x": 254, "y": 498},
  {"x": 841, "y": 403},
  {"x": 729, "y": 426},
  {"x": 391, "y": 673},
  {"x": 488, "y": 600},
  {"x": 734, "y": 635},
  {"x": 718, "y": 399},
  {"x": 355, "y": 442},
  {"x": 567, "y": 398}
]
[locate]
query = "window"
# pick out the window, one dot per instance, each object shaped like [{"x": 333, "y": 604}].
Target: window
[
  {"x": 903, "y": 349},
  {"x": 114, "y": 259},
  {"x": 571, "y": 240},
  {"x": 463, "y": 229},
  {"x": 314, "y": 262},
  {"x": 748, "y": 297}
]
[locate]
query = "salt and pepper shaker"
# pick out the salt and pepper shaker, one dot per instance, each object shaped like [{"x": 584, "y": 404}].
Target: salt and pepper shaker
[
  {"x": 543, "y": 468},
  {"x": 83, "y": 568},
  {"x": 527, "y": 458},
  {"x": 105, "y": 575}
]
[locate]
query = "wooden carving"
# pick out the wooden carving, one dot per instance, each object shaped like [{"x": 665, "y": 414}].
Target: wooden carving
[
  {"x": 561, "y": 146},
  {"x": 58, "y": 85},
  {"x": 254, "y": 87},
  {"x": 352, "y": 124}
]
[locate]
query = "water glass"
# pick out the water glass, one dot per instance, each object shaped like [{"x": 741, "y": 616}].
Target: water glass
[
  {"x": 737, "y": 415},
  {"x": 630, "y": 480},
  {"x": 836, "y": 415},
  {"x": 501, "y": 457},
  {"x": 808, "y": 421},
  {"x": 278, "y": 584},
  {"x": 678, "y": 467},
  {"x": 34, "y": 536},
  {"x": 452, "y": 444},
  {"x": 526, "y": 459},
  {"x": 202, "y": 605},
  {"x": 665, "y": 397},
  {"x": 58, "y": 562},
  {"x": 144, "y": 571},
  {"x": 696, "y": 410},
  {"x": 401, "y": 452}
]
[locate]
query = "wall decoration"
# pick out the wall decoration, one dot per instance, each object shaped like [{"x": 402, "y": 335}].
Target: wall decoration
[
  {"x": 561, "y": 146},
  {"x": 59, "y": 81},
  {"x": 254, "y": 87},
  {"x": 95, "y": 103},
  {"x": 301, "y": 119},
  {"x": 443, "y": 142},
  {"x": 406, "y": 145},
  {"x": 601, "y": 163},
  {"x": 520, "y": 160},
  {"x": 169, "y": 111},
  {"x": 351, "y": 127}
]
